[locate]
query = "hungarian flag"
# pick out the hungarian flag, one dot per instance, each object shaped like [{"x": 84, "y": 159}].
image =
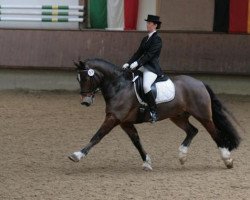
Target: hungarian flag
[
  {"x": 113, "y": 14},
  {"x": 98, "y": 13},
  {"x": 131, "y": 14},
  {"x": 116, "y": 14}
]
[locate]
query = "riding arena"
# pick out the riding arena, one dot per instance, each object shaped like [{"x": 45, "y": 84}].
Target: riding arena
[{"x": 74, "y": 123}]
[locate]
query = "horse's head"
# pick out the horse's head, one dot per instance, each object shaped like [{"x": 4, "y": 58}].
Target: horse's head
[{"x": 88, "y": 80}]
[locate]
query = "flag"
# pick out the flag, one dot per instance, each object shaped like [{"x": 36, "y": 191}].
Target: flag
[
  {"x": 115, "y": 14},
  {"x": 130, "y": 14},
  {"x": 98, "y": 13},
  {"x": 238, "y": 16},
  {"x": 221, "y": 16},
  {"x": 248, "y": 16}
]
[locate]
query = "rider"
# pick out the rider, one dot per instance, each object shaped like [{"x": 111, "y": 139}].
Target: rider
[{"x": 146, "y": 59}]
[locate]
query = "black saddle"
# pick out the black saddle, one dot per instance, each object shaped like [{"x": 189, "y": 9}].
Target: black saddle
[{"x": 139, "y": 84}]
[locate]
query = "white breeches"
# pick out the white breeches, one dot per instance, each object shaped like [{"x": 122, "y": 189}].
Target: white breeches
[{"x": 148, "y": 79}]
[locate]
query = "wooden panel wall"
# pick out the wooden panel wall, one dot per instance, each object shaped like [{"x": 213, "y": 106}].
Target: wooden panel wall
[{"x": 181, "y": 53}]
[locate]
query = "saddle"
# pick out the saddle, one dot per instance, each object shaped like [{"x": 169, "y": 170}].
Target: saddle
[
  {"x": 163, "y": 90},
  {"x": 138, "y": 85}
]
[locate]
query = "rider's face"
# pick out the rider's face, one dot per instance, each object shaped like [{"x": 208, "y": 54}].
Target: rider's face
[{"x": 151, "y": 26}]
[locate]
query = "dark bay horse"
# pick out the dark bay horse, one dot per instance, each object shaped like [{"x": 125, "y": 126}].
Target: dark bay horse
[{"x": 192, "y": 98}]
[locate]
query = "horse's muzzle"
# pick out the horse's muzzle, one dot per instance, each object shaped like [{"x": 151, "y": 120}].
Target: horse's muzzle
[{"x": 87, "y": 100}]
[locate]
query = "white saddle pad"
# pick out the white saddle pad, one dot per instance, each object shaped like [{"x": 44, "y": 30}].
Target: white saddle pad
[{"x": 165, "y": 92}]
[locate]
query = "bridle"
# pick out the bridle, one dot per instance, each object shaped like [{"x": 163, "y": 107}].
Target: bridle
[{"x": 93, "y": 78}]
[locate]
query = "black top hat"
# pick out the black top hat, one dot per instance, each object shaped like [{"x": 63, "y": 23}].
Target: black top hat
[{"x": 153, "y": 18}]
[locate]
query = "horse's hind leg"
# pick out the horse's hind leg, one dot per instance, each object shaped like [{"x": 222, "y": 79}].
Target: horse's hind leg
[
  {"x": 133, "y": 135},
  {"x": 182, "y": 122},
  {"x": 224, "y": 152}
]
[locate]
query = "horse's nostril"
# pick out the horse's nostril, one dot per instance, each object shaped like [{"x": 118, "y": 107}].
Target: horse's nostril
[
  {"x": 87, "y": 101},
  {"x": 85, "y": 104}
]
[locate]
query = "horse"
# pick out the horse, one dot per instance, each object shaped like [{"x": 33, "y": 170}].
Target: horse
[{"x": 192, "y": 98}]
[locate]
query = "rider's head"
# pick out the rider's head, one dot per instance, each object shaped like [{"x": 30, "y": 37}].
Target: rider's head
[{"x": 153, "y": 23}]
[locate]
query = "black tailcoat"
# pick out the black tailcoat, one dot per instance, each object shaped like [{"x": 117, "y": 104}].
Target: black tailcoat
[{"x": 148, "y": 54}]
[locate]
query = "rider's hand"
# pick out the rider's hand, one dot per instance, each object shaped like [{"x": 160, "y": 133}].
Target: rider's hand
[
  {"x": 125, "y": 66},
  {"x": 134, "y": 65}
]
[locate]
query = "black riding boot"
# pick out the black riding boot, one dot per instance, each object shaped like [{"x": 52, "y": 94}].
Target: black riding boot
[{"x": 152, "y": 106}]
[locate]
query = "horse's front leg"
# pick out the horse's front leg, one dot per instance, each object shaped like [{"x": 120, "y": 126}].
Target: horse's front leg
[
  {"x": 110, "y": 122},
  {"x": 133, "y": 135}
]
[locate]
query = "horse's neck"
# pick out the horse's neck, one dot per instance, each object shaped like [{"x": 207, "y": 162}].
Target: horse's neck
[
  {"x": 112, "y": 83},
  {"x": 108, "y": 71},
  {"x": 111, "y": 89},
  {"x": 112, "y": 79}
]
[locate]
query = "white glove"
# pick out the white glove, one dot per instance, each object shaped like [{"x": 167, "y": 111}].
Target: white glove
[
  {"x": 134, "y": 65},
  {"x": 125, "y": 66}
]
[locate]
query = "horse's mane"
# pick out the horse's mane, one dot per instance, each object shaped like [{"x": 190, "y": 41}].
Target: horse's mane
[{"x": 103, "y": 64}]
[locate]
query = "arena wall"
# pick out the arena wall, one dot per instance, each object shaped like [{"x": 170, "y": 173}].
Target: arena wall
[
  {"x": 183, "y": 52},
  {"x": 50, "y": 80},
  {"x": 42, "y": 59}
]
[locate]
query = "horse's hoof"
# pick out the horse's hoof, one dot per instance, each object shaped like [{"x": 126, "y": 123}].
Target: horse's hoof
[
  {"x": 73, "y": 158},
  {"x": 229, "y": 163},
  {"x": 183, "y": 160},
  {"x": 147, "y": 167},
  {"x": 76, "y": 156},
  {"x": 147, "y": 164},
  {"x": 183, "y": 154},
  {"x": 182, "y": 157}
]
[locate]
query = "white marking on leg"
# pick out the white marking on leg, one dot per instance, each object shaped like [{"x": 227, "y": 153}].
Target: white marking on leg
[
  {"x": 147, "y": 164},
  {"x": 183, "y": 149},
  {"x": 225, "y": 155},
  {"x": 77, "y": 156},
  {"x": 183, "y": 154}
]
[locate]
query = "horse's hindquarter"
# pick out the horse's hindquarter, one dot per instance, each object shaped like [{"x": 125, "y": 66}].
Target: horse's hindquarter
[{"x": 192, "y": 96}]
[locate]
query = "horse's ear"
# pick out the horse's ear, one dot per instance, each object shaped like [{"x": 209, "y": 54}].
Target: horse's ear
[{"x": 82, "y": 64}]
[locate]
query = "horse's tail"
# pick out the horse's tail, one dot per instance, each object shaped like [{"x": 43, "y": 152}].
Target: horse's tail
[{"x": 226, "y": 131}]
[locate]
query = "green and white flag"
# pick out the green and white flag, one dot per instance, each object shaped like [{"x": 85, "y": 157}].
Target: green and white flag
[
  {"x": 115, "y": 14},
  {"x": 98, "y": 13}
]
